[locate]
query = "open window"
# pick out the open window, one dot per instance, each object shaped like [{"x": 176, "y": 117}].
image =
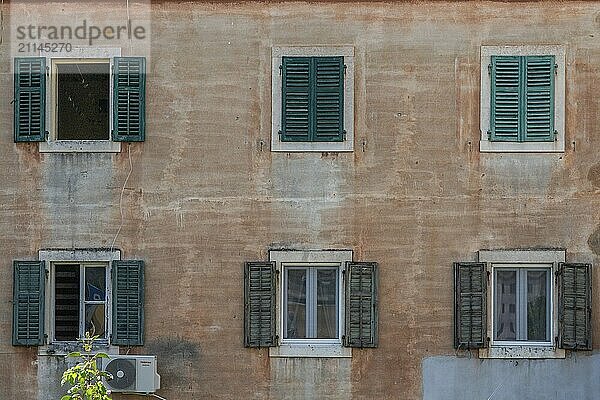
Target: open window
[
  {"x": 70, "y": 292},
  {"x": 310, "y": 303},
  {"x": 88, "y": 103},
  {"x": 522, "y": 304}
]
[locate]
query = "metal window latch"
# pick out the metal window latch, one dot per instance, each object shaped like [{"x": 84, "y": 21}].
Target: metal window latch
[
  {"x": 281, "y": 70},
  {"x": 489, "y": 133},
  {"x": 280, "y": 133},
  {"x": 555, "y": 69},
  {"x": 345, "y": 69},
  {"x": 489, "y": 69}
]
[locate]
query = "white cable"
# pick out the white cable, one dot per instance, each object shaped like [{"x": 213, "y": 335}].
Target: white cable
[{"x": 112, "y": 246}]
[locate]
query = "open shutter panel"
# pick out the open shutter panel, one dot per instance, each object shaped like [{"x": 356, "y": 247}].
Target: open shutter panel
[
  {"x": 329, "y": 99},
  {"x": 539, "y": 97},
  {"x": 30, "y": 99},
  {"x": 296, "y": 99},
  {"x": 129, "y": 93},
  {"x": 575, "y": 306},
  {"x": 28, "y": 303},
  {"x": 361, "y": 304},
  {"x": 259, "y": 304},
  {"x": 470, "y": 286},
  {"x": 128, "y": 303},
  {"x": 505, "y": 98}
]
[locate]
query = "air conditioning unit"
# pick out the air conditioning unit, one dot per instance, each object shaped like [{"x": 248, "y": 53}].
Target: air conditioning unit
[{"x": 131, "y": 374}]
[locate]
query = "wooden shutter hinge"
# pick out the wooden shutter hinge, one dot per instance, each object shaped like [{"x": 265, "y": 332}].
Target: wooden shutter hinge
[
  {"x": 345, "y": 69},
  {"x": 555, "y": 135},
  {"x": 281, "y": 69},
  {"x": 344, "y": 134},
  {"x": 489, "y": 134},
  {"x": 280, "y": 133},
  {"x": 555, "y": 69},
  {"x": 489, "y": 69}
]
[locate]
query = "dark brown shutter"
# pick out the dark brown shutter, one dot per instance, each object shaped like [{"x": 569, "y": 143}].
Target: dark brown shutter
[{"x": 470, "y": 287}]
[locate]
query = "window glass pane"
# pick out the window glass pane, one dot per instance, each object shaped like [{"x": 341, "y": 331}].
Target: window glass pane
[
  {"x": 296, "y": 304},
  {"x": 95, "y": 320},
  {"x": 95, "y": 284},
  {"x": 505, "y": 318},
  {"x": 327, "y": 303},
  {"x": 66, "y": 302},
  {"x": 83, "y": 101},
  {"x": 537, "y": 305}
]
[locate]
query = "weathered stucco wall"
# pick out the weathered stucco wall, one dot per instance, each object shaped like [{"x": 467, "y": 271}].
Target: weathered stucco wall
[{"x": 416, "y": 194}]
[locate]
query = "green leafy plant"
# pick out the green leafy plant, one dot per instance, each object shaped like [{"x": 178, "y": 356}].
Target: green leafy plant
[{"x": 85, "y": 378}]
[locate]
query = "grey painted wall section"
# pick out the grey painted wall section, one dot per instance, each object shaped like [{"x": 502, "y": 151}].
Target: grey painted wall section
[{"x": 573, "y": 378}]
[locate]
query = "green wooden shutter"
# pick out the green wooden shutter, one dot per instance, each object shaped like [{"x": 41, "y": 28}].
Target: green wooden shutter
[
  {"x": 128, "y": 302},
  {"x": 30, "y": 99},
  {"x": 296, "y": 99},
  {"x": 259, "y": 304},
  {"x": 470, "y": 288},
  {"x": 129, "y": 99},
  {"x": 28, "y": 303},
  {"x": 361, "y": 304},
  {"x": 539, "y": 98},
  {"x": 575, "y": 306},
  {"x": 505, "y": 101},
  {"x": 329, "y": 99}
]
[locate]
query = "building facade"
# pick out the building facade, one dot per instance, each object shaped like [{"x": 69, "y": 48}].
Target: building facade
[{"x": 324, "y": 200}]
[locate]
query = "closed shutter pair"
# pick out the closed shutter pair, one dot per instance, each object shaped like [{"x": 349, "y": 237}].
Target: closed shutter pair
[
  {"x": 312, "y": 108},
  {"x": 29, "y": 282},
  {"x": 129, "y": 87},
  {"x": 522, "y": 99},
  {"x": 360, "y": 321},
  {"x": 574, "y": 308}
]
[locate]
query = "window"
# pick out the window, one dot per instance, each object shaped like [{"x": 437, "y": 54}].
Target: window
[
  {"x": 531, "y": 315},
  {"x": 93, "y": 100},
  {"x": 522, "y": 297},
  {"x": 522, "y": 98},
  {"x": 79, "y": 299},
  {"x": 69, "y": 292},
  {"x": 310, "y": 303},
  {"x": 312, "y": 99}
]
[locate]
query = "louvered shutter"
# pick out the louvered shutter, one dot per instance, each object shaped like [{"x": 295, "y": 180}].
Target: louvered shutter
[
  {"x": 129, "y": 98},
  {"x": 259, "y": 304},
  {"x": 361, "y": 304},
  {"x": 28, "y": 303},
  {"x": 539, "y": 98},
  {"x": 329, "y": 99},
  {"x": 575, "y": 306},
  {"x": 505, "y": 98},
  {"x": 30, "y": 99},
  {"x": 128, "y": 303},
  {"x": 470, "y": 288},
  {"x": 296, "y": 99}
]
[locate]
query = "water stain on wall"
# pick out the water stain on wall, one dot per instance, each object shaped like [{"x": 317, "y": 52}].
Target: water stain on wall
[
  {"x": 178, "y": 361},
  {"x": 594, "y": 241}
]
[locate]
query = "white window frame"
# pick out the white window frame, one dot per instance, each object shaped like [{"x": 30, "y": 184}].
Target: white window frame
[
  {"x": 82, "y": 302},
  {"x": 52, "y": 144},
  {"x": 309, "y": 347},
  {"x": 557, "y": 146},
  {"x": 87, "y": 257},
  {"x": 522, "y": 259},
  {"x": 277, "y": 54}
]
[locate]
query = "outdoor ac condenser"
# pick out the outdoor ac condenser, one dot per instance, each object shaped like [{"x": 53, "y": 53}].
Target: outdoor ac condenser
[{"x": 131, "y": 374}]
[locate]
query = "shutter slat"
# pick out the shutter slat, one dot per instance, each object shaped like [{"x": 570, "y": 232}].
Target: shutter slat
[
  {"x": 28, "y": 303},
  {"x": 295, "y": 118},
  {"x": 505, "y": 99},
  {"x": 539, "y": 88},
  {"x": 30, "y": 94},
  {"x": 259, "y": 304},
  {"x": 575, "y": 302},
  {"x": 128, "y": 302},
  {"x": 470, "y": 287},
  {"x": 361, "y": 304},
  {"x": 329, "y": 99},
  {"x": 129, "y": 99}
]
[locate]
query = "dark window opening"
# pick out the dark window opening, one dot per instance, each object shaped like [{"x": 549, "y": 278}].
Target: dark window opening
[
  {"x": 83, "y": 92},
  {"x": 66, "y": 302}
]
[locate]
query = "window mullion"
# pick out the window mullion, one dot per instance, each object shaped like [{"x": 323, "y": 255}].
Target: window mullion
[
  {"x": 81, "y": 300},
  {"x": 311, "y": 303},
  {"x": 522, "y": 283}
]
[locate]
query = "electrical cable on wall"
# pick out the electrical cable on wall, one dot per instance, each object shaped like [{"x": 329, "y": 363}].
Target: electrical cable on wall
[{"x": 112, "y": 246}]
